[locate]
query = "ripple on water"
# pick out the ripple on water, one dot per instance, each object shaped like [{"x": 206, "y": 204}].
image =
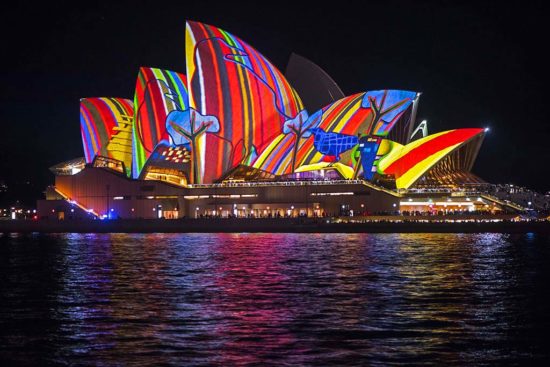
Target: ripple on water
[{"x": 290, "y": 299}]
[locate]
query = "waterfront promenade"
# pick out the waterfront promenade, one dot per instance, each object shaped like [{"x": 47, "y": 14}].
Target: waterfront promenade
[{"x": 372, "y": 224}]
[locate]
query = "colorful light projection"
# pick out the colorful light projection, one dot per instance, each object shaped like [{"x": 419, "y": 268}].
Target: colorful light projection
[
  {"x": 188, "y": 128},
  {"x": 369, "y": 151},
  {"x": 408, "y": 163},
  {"x": 337, "y": 130},
  {"x": 158, "y": 92},
  {"x": 235, "y": 108},
  {"x": 106, "y": 129},
  {"x": 249, "y": 96}
]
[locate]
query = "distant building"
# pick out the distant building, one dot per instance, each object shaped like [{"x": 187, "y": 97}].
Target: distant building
[{"x": 232, "y": 137}]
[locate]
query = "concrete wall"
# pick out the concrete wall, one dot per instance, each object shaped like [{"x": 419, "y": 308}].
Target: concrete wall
[
  {"x": 108, "y": 193},
  {"x": 284, "y": 200}
]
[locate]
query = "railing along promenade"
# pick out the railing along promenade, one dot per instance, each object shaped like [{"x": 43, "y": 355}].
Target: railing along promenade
[{"x": 295, "y": 183}]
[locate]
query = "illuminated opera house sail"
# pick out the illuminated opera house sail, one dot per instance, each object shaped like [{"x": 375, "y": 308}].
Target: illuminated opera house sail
[{"x": 234, "y": 122}]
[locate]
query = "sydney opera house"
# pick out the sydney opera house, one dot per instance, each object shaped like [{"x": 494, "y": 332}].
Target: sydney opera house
[{"x": 235, "y": 137}]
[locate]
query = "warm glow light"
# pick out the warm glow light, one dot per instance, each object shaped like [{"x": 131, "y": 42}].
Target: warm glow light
[
  {"x": 66, "y": 197},
  {"x": 331, "y": 193},
  {"x": 442, "y": 203}
]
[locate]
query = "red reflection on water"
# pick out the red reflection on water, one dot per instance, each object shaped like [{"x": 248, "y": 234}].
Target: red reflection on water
[{"x": 252, "y": 287}]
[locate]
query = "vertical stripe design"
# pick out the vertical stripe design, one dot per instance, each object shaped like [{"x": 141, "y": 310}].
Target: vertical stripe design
[
  {"x": 105, "y": 126},
  {"x": 158, "y": 92},
  {"x": 229, "y": 79}
]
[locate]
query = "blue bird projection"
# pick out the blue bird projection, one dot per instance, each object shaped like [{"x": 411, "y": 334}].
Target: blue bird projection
[{"x": 332, "y": 143}]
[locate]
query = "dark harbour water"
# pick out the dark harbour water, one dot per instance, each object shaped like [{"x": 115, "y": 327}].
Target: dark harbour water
[{"x": 274, "y": 299}]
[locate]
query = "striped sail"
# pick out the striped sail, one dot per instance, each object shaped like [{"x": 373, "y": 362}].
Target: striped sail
[
  {"x": 106, "y": 128},
  {"x": 158, "y": 92},
  {"x": 408, "y": 163},
  {"x": 230, "y": 80},
  {"x": 352, "y": 115}
]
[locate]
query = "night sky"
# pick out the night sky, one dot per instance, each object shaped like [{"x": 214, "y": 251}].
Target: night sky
[{"x": 477, "y": 65}]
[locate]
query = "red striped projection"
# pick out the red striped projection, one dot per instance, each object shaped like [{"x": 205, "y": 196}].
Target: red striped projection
[
  {"x": 232, "y": 81},
  {"x": 408, "y": 163},
  {"x": 106, "y": 125},
  {"x": 158, "y": 92}
]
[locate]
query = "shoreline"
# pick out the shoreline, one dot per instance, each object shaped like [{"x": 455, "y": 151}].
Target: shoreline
[{"x": 267, "y": 225}]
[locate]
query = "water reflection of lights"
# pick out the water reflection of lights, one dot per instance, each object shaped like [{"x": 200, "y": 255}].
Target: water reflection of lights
[{"x": 293, "y": 299}]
